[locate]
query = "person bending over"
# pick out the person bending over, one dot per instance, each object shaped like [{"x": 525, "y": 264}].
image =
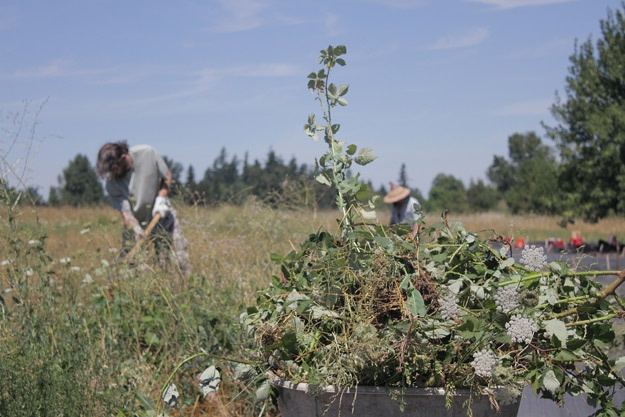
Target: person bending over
[{"x": 137, "y": 181}]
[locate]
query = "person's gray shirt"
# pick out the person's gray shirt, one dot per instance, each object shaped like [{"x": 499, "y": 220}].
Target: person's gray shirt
[
  {"x": 406, "y": 213},
  {"x": 139, "y": 187}
]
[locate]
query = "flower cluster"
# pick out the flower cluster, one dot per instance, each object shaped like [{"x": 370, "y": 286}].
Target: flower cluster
[
  {"x": 534, "y": 258},
  {"x": 507, "y": 299},
  {"x": 521, "y": 328},
  {"x": 484, "y": 362},
  {"x": 449, "y": 307}
]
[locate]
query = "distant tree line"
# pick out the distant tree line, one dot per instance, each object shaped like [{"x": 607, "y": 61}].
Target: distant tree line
[
  {"x": 526, "y": 181},
  {"x": 583, "y": 175}
]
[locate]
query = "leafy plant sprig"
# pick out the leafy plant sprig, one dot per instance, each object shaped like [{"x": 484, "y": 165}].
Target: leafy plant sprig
[
  {"x": 336, "y": 162},
  {"x": 445, "y": 309}
]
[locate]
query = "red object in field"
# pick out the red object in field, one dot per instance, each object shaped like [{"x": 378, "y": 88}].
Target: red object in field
[
  {"x": 520, "y": 243},
  {"x": 576, "y": 239},
  {"x": 559, "y": 242}
]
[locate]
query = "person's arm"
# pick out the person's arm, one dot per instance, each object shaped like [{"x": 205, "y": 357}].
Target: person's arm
[
  {"x": 130, "y": 221},
  {"x": 164, "y": 191}
]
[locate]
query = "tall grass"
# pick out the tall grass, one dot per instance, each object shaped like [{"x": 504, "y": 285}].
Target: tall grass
[{"x": 83, "y": 335}]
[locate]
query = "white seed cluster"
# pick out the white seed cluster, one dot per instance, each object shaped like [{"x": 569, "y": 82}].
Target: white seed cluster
[
  {"x": 507, "y": 395},
  {"x": 534, "y": 258},
  {"x": 521, "y": 328},
  {"x": 449, "y": 307},
  {"x": 507, "y": 298},
  {"x": 484, "y": 362}
]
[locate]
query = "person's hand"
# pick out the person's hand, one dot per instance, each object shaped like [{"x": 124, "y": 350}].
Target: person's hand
[
  {"x": 161, "y": 206},
  {"x": 139, "y": 232}
]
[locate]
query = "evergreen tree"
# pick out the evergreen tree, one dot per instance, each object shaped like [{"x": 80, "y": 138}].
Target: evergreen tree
[
  {"x": 590, "y": 134},
  {"x": 403, "y": 177},
  {"x": 190, "y": 178},
  {"x": 80, "y": 185}
]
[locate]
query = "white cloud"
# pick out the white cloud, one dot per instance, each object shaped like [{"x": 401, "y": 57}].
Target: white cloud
[
  {"x": 331, "y": 23},
  {"x": 268, "y": 70},
  {"x": 206, "y": 79},
  {"x": 239, "y": 15},
  {"x": 56, "y": 69},
  {"x": 513, "y": 4},
  {"x": 465, "y": 40}
]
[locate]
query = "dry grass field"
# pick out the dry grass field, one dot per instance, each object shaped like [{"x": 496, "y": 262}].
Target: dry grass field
[{"x": 118, "y": 332}]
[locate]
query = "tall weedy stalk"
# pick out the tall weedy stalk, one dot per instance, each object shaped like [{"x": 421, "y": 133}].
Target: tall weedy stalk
[{"x": 335, "y": 163}]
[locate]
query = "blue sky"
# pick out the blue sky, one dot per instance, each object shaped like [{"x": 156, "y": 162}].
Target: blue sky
[{"x": 436, "y": 84}]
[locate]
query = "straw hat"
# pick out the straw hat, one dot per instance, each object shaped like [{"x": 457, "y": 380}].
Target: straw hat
[{"x": 398, "y": 193}]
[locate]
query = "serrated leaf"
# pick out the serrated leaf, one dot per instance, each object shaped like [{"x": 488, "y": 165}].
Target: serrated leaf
[
  {"x": 557, "y": 328},
  {"x": 550, "y": 381},
  {"x": 365, "y": 156}
]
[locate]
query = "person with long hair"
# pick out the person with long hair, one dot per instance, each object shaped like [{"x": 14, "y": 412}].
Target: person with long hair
[{"x": 138, "y": 180}]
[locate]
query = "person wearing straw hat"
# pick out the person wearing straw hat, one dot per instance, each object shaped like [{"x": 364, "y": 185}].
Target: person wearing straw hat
[{"x": 402, "y": 207}]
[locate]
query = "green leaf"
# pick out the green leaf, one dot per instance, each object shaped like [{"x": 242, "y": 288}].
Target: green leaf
[
  {"x": 340, "y": 50},
  {"x": 550, "y": 381},
  {"x": 365, "y": 156},
  {"x": 470, "y": 324},
  {"x": 556, "y": 328},
  {"x": 415, "y": 303},
  {"x": 506, "y": 263},
  {"x": 566, "y": 355},
  {"x": 323, "y": 179},
  {"x": 152, "y": 339},
  {"x": 146, "y": 402},
  {"x": 619, "y": 364},
  {"x": 368, "y": 214},
  {"x": 262, "y": 392},
  {"x": 575, "y": 344}
]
